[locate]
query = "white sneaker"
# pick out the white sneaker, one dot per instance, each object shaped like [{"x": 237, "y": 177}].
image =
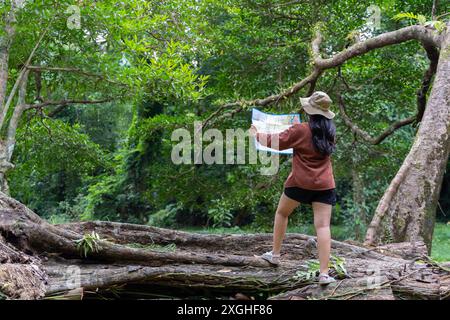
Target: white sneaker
[
  {"x": 324, "y": 279},
  {"x": 271, "y": 258}
]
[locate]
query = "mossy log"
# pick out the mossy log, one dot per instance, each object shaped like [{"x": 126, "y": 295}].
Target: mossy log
[{"x": 40, "y": 260}]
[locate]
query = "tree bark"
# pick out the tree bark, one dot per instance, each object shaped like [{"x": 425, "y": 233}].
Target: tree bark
[
  {"x": 5, "y": 45},
  {"x": 6, "y": 39},
  {"x": 349, "y": 289},
  {"x": 39, "y": 260},
  {"x": 359, "y": 215},
  {"x": 407, "y": 210}
]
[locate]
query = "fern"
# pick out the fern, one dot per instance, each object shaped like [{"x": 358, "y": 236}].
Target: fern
[
  {"x": 405, "y": 15},
  {"x": 88, "y": 244},
  {"x": 338, "y": 264},
  {"x": 420, "y": 18},
  {"x": 439, "y": 26},
  {"x": 313, "y": 267}
]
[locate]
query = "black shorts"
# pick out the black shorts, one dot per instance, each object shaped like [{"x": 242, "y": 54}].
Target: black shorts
[{"x": 309, "y": 196}]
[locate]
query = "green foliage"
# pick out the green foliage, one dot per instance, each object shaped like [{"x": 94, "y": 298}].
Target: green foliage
[
  {"x": 220, "y": 213},
  {"x": 313, "y": 268},
  {"x": 338, "y": 264},
  {"x": 440, "y": 26},
  {"x": 441, "y": 249},
  {"x": 165, "y": 217},
  {"x": 53, "y": 160},
  {"x": 354, "y": 218},
  {"x": 421, "y": 19},
  {"x": 410, "y": 16},
  {"x": 89, "y": 244}
]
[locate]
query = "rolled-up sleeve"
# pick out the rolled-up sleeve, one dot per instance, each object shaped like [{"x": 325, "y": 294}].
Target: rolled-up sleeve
[{"x": 289, "y": 138}]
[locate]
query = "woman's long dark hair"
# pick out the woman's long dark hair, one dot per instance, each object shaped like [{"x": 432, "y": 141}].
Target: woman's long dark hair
[{"x": 323, "y": 134}]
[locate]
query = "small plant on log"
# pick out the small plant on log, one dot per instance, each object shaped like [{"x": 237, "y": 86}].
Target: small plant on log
[
  {"x": 88, "y": 244},
  {"x": 310, "y": 273},
  {"x": 338, "y": 264},
  {"x": 313, "y": 268}
]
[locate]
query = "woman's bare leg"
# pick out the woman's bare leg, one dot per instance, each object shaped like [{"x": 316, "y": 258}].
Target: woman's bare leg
[
  {"x": 322, "y": 217},
  {"x": 285, "y": 207}
]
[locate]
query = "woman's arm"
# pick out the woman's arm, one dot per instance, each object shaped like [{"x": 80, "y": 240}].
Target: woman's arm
[{"x": 289, "y": 138}]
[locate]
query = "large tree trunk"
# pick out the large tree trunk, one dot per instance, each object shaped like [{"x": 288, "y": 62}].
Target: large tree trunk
[
  {"x": 6, "y": 38},
  {"x": 5, "y": 44},
  {"x": 132, "y": 261},
  {"x": 408, "y": 208},
  {"x": 359, "y": 213}
]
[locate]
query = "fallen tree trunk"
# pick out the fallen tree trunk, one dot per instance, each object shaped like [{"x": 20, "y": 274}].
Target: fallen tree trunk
[
  {"x": 351, "y": 289},
  {"x": 41, "y": 260}
]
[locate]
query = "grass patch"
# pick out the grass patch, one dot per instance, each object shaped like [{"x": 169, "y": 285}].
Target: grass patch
[
  {"x": 156, "y": 247},
  {"x": 440, "y": 250}
]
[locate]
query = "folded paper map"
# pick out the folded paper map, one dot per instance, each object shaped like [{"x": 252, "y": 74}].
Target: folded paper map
[{"x": 273, "y": 123}]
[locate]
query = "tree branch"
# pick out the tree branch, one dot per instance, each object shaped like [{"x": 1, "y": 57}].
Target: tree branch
[
  {"x": 20, "y": 77},
  {"x": 415, "y": 32},
  {"x": 5, "y": 45},
  {"x": 65, "y": 103},
  {"x": 74, "y": 70},
  {"x": 364, "y": 134},
  {"x": 434, "y": 9},
  {"x": 15, "y": 118},
  {"x": 433, "y": 56},
  {"x": 53, "y": 112},
  {"x": 442, "y": 15}
]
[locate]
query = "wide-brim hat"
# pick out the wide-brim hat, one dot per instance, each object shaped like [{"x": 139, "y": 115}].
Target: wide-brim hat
[{"x": 318, "y": 103}]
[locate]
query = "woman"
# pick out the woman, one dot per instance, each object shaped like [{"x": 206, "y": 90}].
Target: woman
[{"x": 311, "y": 179}]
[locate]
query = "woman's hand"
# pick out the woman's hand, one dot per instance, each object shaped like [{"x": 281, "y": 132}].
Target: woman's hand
[{"x": 252, "y": 131}]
